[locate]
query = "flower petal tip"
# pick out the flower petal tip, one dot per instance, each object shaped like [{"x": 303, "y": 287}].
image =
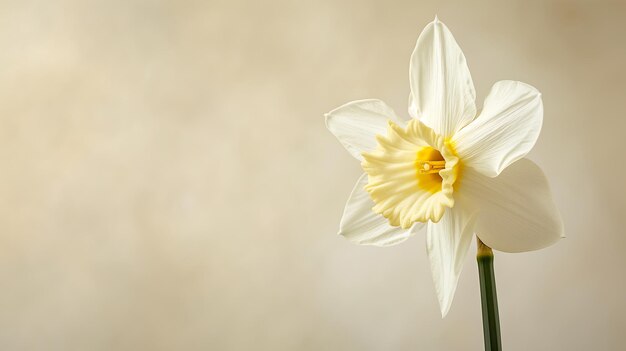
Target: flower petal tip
[
  {"x": 326, "y": 118},
  {"x": 444, "y": 306},
  {"x": 444, "y": 309}
]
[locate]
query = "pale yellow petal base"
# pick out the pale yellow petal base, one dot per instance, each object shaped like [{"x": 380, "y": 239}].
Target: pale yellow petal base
[{"x": 407, "y": 179}]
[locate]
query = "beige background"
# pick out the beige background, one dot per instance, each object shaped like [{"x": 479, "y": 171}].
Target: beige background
[{"x": 167, "y": 181}]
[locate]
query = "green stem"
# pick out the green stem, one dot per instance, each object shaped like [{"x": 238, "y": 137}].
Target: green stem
[{"x": 488, "y": 298}]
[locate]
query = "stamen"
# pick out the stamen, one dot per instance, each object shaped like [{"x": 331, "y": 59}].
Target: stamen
[{"x": 431, "y": 167}]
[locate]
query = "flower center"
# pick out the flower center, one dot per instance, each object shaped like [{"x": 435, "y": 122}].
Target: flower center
[
  {"x": 430, "y": 167},
  {"x": 411, "y": 174},
  {"x": 428, "y": 163}
]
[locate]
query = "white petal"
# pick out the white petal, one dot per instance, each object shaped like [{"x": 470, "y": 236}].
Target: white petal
[
  {"x": 361, "y": 225},
  {"x": 447, "y": 244},
  {"x": 443, "y": 95},
  {"x": 357, "y": 123},
  {"x": 516, "y": 210},
  {"x": 505, "y": 131}
]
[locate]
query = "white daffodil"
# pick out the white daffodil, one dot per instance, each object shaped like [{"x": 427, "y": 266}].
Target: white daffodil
[{"x": 445, "y": 169}]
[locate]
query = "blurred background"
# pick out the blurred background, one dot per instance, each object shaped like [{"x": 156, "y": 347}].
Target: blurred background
[{"x": 167, "y": 181}]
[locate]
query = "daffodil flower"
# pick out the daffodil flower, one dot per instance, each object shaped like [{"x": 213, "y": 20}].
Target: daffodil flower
[{"x": 447, "y": 170}]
